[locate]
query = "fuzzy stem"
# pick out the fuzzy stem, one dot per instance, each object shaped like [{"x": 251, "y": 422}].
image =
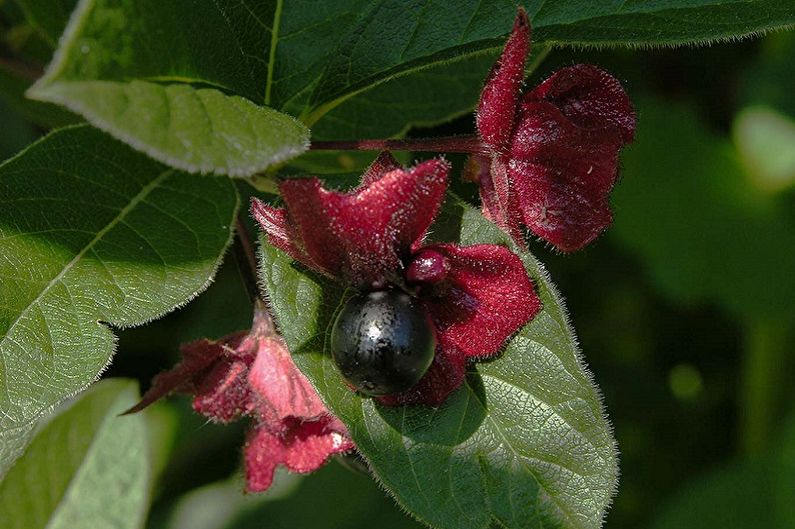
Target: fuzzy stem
[
  {"x": 464, "y": 144},
  {"x": 246, "y": 260}
]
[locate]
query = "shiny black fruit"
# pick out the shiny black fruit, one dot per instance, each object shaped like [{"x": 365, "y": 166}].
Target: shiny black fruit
[{"x": 382, "y": 342}]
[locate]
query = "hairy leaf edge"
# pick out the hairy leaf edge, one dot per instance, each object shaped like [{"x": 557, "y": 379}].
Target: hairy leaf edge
[{"x": 109, "y": 326}]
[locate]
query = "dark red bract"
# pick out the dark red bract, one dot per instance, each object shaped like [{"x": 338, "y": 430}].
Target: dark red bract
[
  {"x": 476, "y": 296},
  {"x": 252, "y": 374},
  {"x": 553, "y": 155}
]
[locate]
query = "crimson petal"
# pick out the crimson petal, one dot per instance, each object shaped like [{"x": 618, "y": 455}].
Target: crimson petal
[
  {"x": 383, "y": 164},
  {"x": 282, "y": 390},
  {"x": 274, "y": 223},
  {"x": 303, "y": 446},
  {"x": 498, "y": 199},
  {"x": 497, "y": 106},
  {"x": 563, "y": 159},
  {"x": 589, "y": 97},
  {"x": 562, "y": 175},
  {"x": 487, "y": 298},
  {"x": 224, "y": 395},
  {"x": 214, "y": 372},
  {"x": 361, "y": 237}
]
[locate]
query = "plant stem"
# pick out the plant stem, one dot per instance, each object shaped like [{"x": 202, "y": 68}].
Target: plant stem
[
  {"x": 246, "y": 260},
  {"x": 768, "y": 346},
  {"x": 464, "y": 144}
]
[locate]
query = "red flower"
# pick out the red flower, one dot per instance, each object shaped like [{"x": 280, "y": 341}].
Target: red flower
[
  {"x": 252, "y": 374},
  {"x": 553, "y": 151},
  {"x": 475, "y": 296}
]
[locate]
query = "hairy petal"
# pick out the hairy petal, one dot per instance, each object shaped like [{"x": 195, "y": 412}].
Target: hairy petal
[
  {"x": 362, "y": 237},
  {"x": 488, "y": 296},
  {"x": 497, "y": 106},
  {"x": 485, "y": 298},
  {"x": 562, "y": 175},
  {"x": 283, "y": 391},
  {"x": 563, "y": 159},
  {"x": 590, "y": 97},
  {"x": 224, "y": 395},
  {"x": 499, "y": 201},
  {"x": 206, "y": 367},
  {"x": 300, "y": 446},
  {"x": 382, "y": 165},
  {"x": 274, "y": 223}
]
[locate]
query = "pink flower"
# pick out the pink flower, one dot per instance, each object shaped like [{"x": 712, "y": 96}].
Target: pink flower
[
  {"x": 252, "y": 374},
  {"x": 475, "y": 297},
  {"x": 553, "y": 151}
]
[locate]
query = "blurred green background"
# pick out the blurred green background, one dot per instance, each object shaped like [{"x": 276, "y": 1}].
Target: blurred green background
[{"x": 685, "y": 311}]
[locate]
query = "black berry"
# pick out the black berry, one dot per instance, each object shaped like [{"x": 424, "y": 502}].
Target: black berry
[{"x": 382, "y": 342}]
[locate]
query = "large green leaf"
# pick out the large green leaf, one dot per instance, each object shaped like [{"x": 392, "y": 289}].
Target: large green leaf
[
  {"x": 92, "y": 234},
  {"x": 706, "y": 232},
  {"x": 193, "y": 129},
  {"x": 396, "y": 36},
  {"x": 424, "y": 98},
  {"x": 123, "y": 65},
  {"x": 87, "y": 468},
  {"x": 523, "y": 443}
]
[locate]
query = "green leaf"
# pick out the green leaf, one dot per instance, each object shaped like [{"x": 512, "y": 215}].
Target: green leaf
[
  {"x": 199, "y": 130},
  {"x": 523, "y": 443},
  {"x": 124, "y": 65},
  {"x": 661, "y": 23},
  {"x": 424, "y": 98},
  {"x": 395, "y": 37},
  {"x": 175, "y": 41},
  {"x": 87, "y": 468},
  {"x": 92, "y": 234},
  {"x": 705, "y": 231}
]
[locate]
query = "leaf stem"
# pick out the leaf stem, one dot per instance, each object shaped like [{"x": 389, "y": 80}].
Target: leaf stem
[
  {"x": 464, "y": 144},
  {"x": 246, "y": 260}
]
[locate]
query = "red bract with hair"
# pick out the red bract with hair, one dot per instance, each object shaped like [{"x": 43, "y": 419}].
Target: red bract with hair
[
  {"x": 252, "y": 374},
  {"x": 552, "y": 152},
  {"x": 373, "y": 238}
]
